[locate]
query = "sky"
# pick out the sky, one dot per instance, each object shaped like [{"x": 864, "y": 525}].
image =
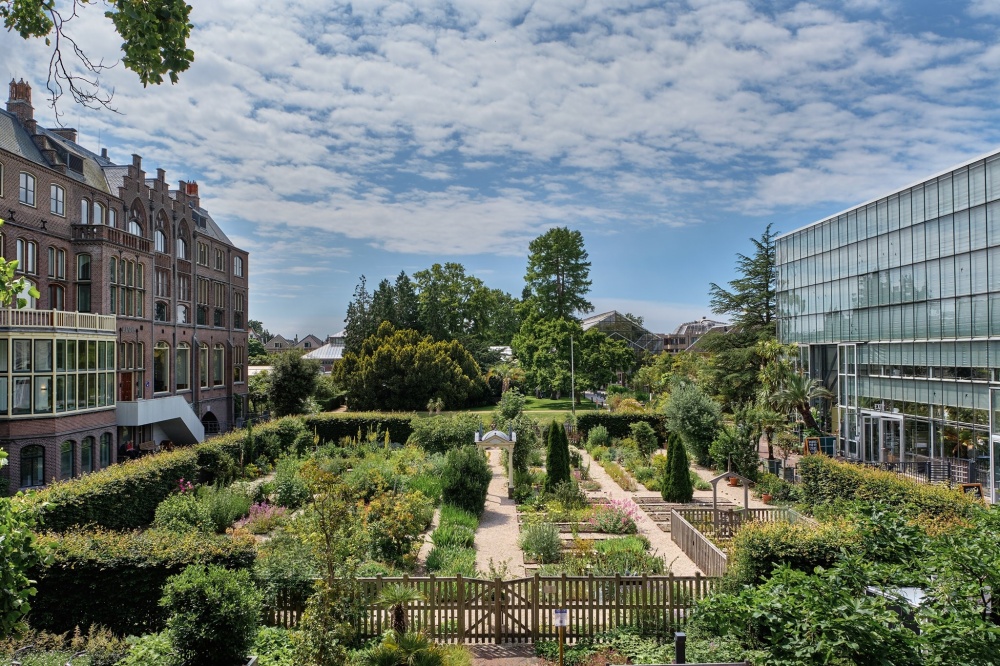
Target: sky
[{"x": 337, "y": 139}]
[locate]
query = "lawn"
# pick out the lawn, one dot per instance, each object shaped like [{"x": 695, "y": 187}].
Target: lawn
[{"x": 545, "y": 409}]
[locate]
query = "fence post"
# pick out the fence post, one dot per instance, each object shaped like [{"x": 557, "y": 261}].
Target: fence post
[
  {"x": 680, "y": 648},
  {"x": 671, "y": 611},
  {"x": 378, "y": 614},
  {"x": 432, "y": 609},
  {"x": 497, "y": 611},
  {"x": 461, "y": 607},
  {"x": 534, "y": 607}
]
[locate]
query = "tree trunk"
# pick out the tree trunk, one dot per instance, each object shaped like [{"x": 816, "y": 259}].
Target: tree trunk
[
  {"x": 769, "y": 433},
  {"x": 807, "y": 417}
]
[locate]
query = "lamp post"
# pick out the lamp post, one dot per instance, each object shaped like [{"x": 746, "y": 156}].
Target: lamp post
[{"x": 572, "y": 381}]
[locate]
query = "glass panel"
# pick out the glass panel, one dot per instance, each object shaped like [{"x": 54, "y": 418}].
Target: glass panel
[
  {"x": 66, "y": 461},
  {"x": 22, "y": 355}
]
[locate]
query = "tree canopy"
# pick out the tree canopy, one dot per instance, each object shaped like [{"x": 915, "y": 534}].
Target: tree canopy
[
  {"x": 751, "y": 298},
  {"x": 293, "y": 382},
  {"x": 557, "y": 279},
  {"x": 154, "y": 42},
  {"x": 403, "y": 369}
]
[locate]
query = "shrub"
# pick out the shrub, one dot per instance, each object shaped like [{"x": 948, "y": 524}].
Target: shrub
[
  {"x": 617, "y": 424},
  {"x": 452, "y": 515},
  {"x": 618, "y": 517},
  {"x": 738, "y": 445},
  {"x": 150, "y": 650},
  {"x": 214, "y": 615},
  {"x": 465, "y": 479},
  {"x": 332, "y": 427},
  {"x": 557, "y": 456},
  {"x": 128, "y": 568},
  {"x": 183, "y": 512},
  {"x": 286, "y": 565},
  {"x": 394, "y": 521},
  {"x": 696, "y": 418},
  {"x": 569, "y": 495},
  {"x": 542, "y": 541},
  {"x": 779, "y": 489},
  {"x": 826, "y": 481},
  {"x": 441, "y": 433},
  {"x": 224, "y": 505},
  {"x": 645, "y": 437},
  {"x": 758, "y": 547},
  {"x": 598, "y": 436},
  {"x": 290, "y": 490}
]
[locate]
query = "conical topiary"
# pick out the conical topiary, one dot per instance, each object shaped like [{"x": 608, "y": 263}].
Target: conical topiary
[
  {"x": 557, "y": 458},
  {"x": 677, "y": 485}
]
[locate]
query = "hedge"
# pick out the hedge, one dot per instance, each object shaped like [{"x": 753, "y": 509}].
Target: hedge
[
  {"x": 125, "y": 496},
  {"x": 618, "y": 424},
  {"x": 115, "y": 579},
  {"x": 333, "y": 426},
  {"x": 825, "y": 480},
  {"x": 758, "y": 546}
]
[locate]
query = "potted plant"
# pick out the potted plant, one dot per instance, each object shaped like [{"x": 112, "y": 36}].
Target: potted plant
[{"x": 734, "y": 481}]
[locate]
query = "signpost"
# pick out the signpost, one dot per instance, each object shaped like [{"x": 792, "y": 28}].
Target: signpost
[{"x": 560, "y": 618}]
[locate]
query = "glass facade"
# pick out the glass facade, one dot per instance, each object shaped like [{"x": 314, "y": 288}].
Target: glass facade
[{"x": 906, "y": 289}]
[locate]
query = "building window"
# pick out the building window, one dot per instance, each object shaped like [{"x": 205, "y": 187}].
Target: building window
[
  {"x": 57, "y": 297},
  {"x": 218, "y": 365},
  {"x": 239, "y": 300},
  {"x": 161, "y": 311},
  {"x": 238, "y": 266},
  {"x": 220, "y": 261},
  {"x": 57, "y": 263},
  {"x": 57, "y": 201},
  {"x": 30, "y": 302},
  {"x": 183, "y": 314},
  {"x": 66, "y": 459},
  {"x": 99, "y": 214},
  {"x": 112, "y": 218},
  {"x": 239, "y": 358},
  {"x": 1, "y": 179},
  {"x": 203, "y": 254},
  {"x": 183, "y": 288},
  {"x": 220, "y": 295},
  {"x": 134, "y": 228},
  {"x": 104, "y": 455},
  {"x": 83, "y": 283},
  {"x": 87, "y": 455},
  {"x": 162, "y": 283},
  {"x": 203, "y": 289},
  {"x": 84, "y": 211},
  {"x": 161, "y": 367},
  {"x": 160, "y": 240},
  {"x": 26, "y": 189},
  {"x": 203, "y": 365},
  {"x": 32, "y": 466},
  {"x": 182, "y": 249},
  {"x": 83, "y": 267},
  {"x": 128, "y": 295},
  {"x": 202, "y": 315},
  {"x": 182, "y": 366},
  {"x": 27, "y": 257}
]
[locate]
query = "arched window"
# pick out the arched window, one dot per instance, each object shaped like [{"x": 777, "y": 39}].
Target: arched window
[
  {"x": 32, "y": 466},
  {"x": 87, "y": 455},
  {"x": 161, "y": 367},
  {"x": 112, "y": 218},
  {"x": 30, "y": 302},
  {"x": 99, "y": 213},
  {"x": 26, "y": 189},
  {"x": 183, "y": 314},
  {"x": 161, "y": 241},
  {"x": 133, "y": 227},
  {"x": 84, "y": 211},
  {"x": 161, "y": 311},
  {"x": 66, "y": 459},
  {"x": 57, "y": 297},
  {"x": 182, "y": 366},
  {"x": 182, "y": 248},
  {"x": 105, "y": 451}
]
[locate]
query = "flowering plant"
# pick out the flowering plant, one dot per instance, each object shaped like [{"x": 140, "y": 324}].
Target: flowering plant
[
  {"x": 184, "y": 486},
  {"x": 618, "y": 517},
  {"x": 263, "y": 518}
]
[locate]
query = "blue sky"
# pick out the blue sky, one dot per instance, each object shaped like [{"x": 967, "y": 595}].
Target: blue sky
[{"x": 335, "y": 139}]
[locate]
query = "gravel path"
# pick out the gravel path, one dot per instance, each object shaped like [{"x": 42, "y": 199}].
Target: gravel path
[
  {"x": 504, "y": 655},
  {"x": 498, "y": 533},
  {"x": 660, "y": 541}
]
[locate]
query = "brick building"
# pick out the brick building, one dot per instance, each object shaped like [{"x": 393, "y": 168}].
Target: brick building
[{"x": 139, "y": 332}]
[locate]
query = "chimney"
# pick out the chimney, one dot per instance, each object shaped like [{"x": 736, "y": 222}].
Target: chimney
[
  {"x": 19, "y": 103},
  {"x": 191, "y": 190},
  {"x": 68, "y": 133},
  {"x": 104, "y": 154}
]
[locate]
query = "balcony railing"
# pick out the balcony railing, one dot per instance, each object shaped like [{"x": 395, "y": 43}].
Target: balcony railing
[
  {"x": 80, "y": 321},
  {"x": 97, "y": 232}
]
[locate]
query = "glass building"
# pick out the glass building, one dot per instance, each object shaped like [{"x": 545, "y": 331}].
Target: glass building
[{"x": 895, "y": 304}]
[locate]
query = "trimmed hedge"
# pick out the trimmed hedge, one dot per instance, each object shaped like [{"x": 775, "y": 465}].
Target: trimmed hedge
[
  {"x": 125, "y": 496},
  {"x": 333, "y": 426},
  {"x": 757, "y": 547},
  {"x": 825, "y": 480},
  {"x": 618, "y": 425},
  {"x": 115, "y": 579}
]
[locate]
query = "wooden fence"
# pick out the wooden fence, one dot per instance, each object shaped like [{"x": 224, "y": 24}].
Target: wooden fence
[
  {"x": 691, "y": 528},
  {"x": 472, "y": 610}
]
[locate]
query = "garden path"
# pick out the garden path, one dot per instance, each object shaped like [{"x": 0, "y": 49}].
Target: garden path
[
  {"x": 504, "y": 655},
  {"x": 498, "y": 532},
  {"x": 427, "y": 545},
  {"x": 660, "y": 541}
]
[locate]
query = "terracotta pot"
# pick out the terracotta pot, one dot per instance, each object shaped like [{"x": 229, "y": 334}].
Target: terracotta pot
[
  {"x": 765, "y": 498},
  {"x": 734, "y": 481}
]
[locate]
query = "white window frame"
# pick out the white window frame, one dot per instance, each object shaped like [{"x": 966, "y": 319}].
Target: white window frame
[
  {"x": 23, "y": 190},
  {"x": 57, "y": 200}
]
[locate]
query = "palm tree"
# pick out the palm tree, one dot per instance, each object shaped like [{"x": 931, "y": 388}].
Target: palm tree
[
  {"x": 798, "y": 393},
  {"x": 507, "y": 373},
  {"x": 395, "y": 598}
]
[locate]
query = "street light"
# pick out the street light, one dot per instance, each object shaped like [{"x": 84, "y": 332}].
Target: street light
[{"x": 572, "y": 381}]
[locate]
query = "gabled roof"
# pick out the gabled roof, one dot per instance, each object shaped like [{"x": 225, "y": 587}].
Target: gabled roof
[
  {"x": 15, "y": 140},
  {"x": 326, "y": 353}
]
